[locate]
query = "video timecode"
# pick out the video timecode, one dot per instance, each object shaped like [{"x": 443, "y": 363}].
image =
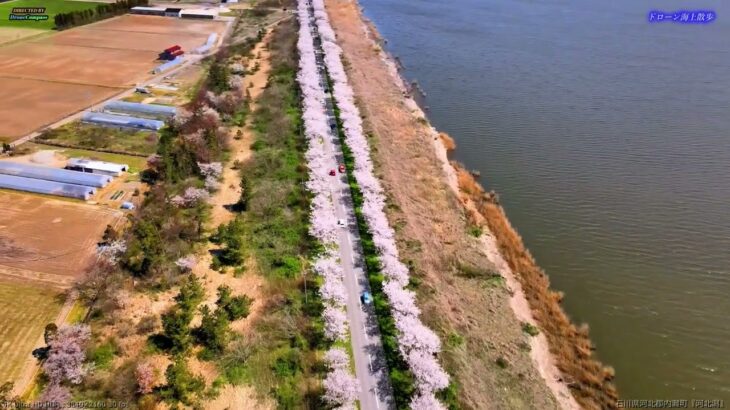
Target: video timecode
[{"x": 671, "y": 404}]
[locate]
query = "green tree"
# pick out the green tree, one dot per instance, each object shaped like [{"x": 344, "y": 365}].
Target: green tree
[
  {"x": 191, "y": 294},
  {"x": 146, "y": 249},
  {"x": 213, "y": 332},
  {"x": 235, "y": 307},
  {"x": 218, "y": 76},
  {"x": 176, "y": 328},
  {"x": 182, "y": 386}
]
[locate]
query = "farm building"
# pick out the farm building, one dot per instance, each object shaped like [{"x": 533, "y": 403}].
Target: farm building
[
  {"x": 42, "y": 186},
  {"x": 172, "y": 12},
  {"x": 96, "y": 167},
  {"x": 155, "y": 110},
  {"x": 148, "y": 11},
  {"x": 111, "y": 120},
  {"x": 53, "y": 174},
  {"x": 209, "y": 44},
  {"x": 198, "y": 14},
  {"x": 168, "y": 65},
  {"x": 171, "y": 53}
]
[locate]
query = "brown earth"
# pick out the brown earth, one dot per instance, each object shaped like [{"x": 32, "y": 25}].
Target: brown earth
[
  {"x": 9, "y": 34},
  {"x": 460, "y": 297},
  {"x": 50, "y": 236},
  {"x": 48, "y": 77},
  {"x": 29, "y": 104}
]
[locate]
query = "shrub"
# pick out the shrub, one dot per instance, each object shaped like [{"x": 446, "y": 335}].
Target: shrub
[
  {"x": 236, "y": 307},
  {"x": 182, "y": 386},
  {"x": 176, "y": 329},
  {"x": 213, "y": 331},
  {"x": 148, "y": 324},
  {"x": 103, "y": 354},
  {"x": 530, "y": 329}
]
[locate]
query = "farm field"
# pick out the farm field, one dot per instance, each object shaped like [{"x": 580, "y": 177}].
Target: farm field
[
  {"x": 20, "y": 100},
  {"x": 49, "y": 239},
  {"x": 25, "y": 309},
  {"x": 8, "y": 34},
  {"x": 80, "y": 135},
  {"x": 46, "y": 78},
  {"x": 52, "y": 8}
]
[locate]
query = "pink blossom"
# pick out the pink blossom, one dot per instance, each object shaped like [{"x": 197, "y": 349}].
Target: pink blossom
[
  {"x": 337, "y": 358},
  {"x": 429, "y": 374},
  {"x": 414, "y": 335},
  {"x": 191, "y": 197},
  {"x": 335, "y": 323},
  {"x": 66, "y": 356},
  {"x": 426, "y": 401},
  {"x": 340, "y": 387},
  {"x": 112, "y": 251},
  {"x": 55, "y": 396},
  {"x": 213, "y": 169},
  {"x": 418, "y": 344},
  {"x": 145, "y": 375},
  {"x": 186, "y": 263}
]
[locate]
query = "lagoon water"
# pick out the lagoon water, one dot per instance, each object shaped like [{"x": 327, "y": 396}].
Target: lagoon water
[{"x": 608, "y": 140}]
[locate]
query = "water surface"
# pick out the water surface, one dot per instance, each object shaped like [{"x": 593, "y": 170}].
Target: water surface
[{"x": 608, "y": 139}]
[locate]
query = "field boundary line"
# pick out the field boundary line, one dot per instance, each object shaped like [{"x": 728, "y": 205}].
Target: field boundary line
[{"x": 46, "y": 80}]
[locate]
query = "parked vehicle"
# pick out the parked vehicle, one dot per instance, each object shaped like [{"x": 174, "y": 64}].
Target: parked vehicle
[
  {"x": 342, "y": 168},
  {"x": 366, "y": 298}
]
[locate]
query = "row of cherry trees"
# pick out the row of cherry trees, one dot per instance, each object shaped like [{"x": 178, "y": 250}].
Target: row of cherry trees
[
  {"x": 341, "y": 387},
  {"x": 417, "y": 343}
]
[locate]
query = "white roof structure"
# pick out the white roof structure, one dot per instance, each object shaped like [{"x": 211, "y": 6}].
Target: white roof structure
[
  {"x": 110, "y": 167},
  {"x": 142, "y": 8},
  {"x": 211, "y": 13}
]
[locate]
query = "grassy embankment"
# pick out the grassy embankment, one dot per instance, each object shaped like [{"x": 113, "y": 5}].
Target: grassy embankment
[
  {"x": 589, "y": 380},
  {"x": 52, "y": 8},
  {"x": 282, "y": 357}
]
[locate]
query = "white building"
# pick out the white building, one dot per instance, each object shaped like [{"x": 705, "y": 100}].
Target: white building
[{"x": 96, "y": 167}]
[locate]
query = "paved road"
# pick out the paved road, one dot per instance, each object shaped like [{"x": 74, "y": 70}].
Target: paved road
[
  {"x": 370, "y": 366},
  {"x": 367, "y": 349}
]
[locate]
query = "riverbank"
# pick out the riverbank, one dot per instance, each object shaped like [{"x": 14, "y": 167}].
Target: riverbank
[{"x": 443, "y": 212}]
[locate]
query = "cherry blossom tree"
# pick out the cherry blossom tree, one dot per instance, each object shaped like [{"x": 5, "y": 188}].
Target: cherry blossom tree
[
  {"x": 341, "y": 387},
  {"x": 186, "y": 263},
  {"x": 191, "y": 197},
  {"x": 337, "y": 358},
  {"x": 335, "y": 323},
  {"x": 111, "y": 252},
  {"x": 55, "y": 396},
  {"x": 426, "y": 401},
  {"x": 145, "y": 375},
  {"x": 418, "y": 344},
  {"x": 66, "y": 356}
]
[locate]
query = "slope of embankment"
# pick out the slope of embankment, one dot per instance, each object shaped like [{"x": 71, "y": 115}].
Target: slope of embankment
[{"x": 460, "y": 245}]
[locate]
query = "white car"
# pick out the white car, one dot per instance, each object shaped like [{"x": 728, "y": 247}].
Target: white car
[{"x": 341, "y": 223}]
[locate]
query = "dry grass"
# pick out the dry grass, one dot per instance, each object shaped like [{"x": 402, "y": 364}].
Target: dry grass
[
  {"x": 448, "y": 142},
  {"x": 25, "y": 309},
  {"x": 590, "y": 381}
]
